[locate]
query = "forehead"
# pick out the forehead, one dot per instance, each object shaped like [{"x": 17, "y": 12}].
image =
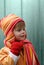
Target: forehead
[{"x": 20, "y": 25}]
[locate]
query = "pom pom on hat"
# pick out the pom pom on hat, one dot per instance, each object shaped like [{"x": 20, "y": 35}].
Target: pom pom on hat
[{"x": 8, "y": 23}]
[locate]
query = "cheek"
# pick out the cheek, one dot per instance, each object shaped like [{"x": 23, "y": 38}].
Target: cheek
[
  {"x": 17, "y": 37},
  {"x": 16, "y": 34}
]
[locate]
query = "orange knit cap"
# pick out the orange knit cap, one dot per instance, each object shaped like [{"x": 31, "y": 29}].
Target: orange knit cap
[{"x": 8, "y": 23}]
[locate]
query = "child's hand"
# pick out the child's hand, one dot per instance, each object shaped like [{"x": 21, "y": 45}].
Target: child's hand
[{"x": 16, "y": 47}]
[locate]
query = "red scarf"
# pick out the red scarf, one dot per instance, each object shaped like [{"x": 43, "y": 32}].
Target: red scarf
[
  {"x": 16, "y": 47},
  {"x": 31, "y": 57}
]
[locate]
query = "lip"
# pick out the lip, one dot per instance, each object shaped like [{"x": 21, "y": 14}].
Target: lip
[{"x": 22, "y": 35}]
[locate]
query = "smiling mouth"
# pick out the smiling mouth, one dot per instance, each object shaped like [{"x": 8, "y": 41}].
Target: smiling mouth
[{"x": 22, "y": 35}]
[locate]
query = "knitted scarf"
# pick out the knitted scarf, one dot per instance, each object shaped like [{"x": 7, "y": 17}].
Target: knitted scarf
[{"x": 30, "y": 57}]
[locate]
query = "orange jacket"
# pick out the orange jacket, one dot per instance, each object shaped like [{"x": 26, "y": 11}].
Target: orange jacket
[{"x": 27, "y": 56}]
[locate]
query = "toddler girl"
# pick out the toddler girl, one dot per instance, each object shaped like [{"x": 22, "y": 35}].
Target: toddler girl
[{"x": 17, "y": 50}]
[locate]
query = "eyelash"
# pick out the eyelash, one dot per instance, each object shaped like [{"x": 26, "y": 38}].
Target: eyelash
[{"x": 20, "y": 29}]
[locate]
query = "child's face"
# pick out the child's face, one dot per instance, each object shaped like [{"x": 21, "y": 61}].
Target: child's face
[{"x": 19, "y": 31}]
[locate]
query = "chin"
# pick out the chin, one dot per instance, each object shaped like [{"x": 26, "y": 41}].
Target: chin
[{"x": 22, "y": 39}]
